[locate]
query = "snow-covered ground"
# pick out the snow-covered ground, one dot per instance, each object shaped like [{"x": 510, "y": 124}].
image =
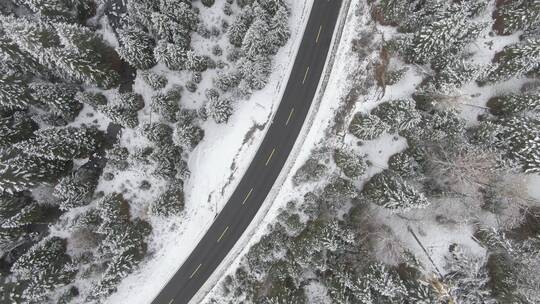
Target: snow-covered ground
[{"x": 216, "y": 166}]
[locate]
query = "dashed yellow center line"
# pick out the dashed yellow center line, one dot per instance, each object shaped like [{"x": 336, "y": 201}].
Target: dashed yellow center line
[
  {"x": 305, "y": 75},
  {"x": 172, "y": 300},
  {"x": 270, "y": 157},
  {"x": 318, "y": 35},
  {"x": 222, "y": 234},
  {"x": 195, "y": 271},
  {"x": 247, "y": 196},
  {"x": 290, "y": 115}
]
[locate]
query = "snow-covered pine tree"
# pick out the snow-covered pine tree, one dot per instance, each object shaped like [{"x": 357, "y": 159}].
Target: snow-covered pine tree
[
  {"x": 166, "y": 105},
  {"x": 279, "y": 28},
  {"x": 172, "y": 56},
  {"x": 70, "y": 51},
  {"x": 257, "y": 38},
  {"x": 227, "y": 81},
  {"x": 158, "y": 133},
  {"x": 352, "y": 164},
  {"x": 120, "y": 115},
  {"x": 514, "y": 104},
  {"x": 512, "y": 16},
  {"x": 219, "y": 108},
  {"x": 367, "y": 127},
  {"x": 57, "y": 98},
  {"x": 45, "y": 266},
  {"x": 404, "y": 164},
  {"x": 521, "y": 137},
  {"x": 196, "y": 63},
  {"x": 468, "y": 278},
  {"x": 170, "y": 202},
  {"x": 26, "y": 171},
  {"x": 187, "y": 135},
  {"x": 136, "y": 47},
  {"x": 17, "y": 127},
  {"x": 155, "y": 81},
  {"x": 76, "y": 189},
  {"x": 256, "y": 71},
  {"x": 516, "y": 60},
  {"x": 92, "y": 99},
  {"x": 62, "y": 143},
  {"x": 392, "y": 192},
  {"x": 14, "y": 93},
  {"x": 238, "y": 29},
  {"x": 400, "y": 115}
]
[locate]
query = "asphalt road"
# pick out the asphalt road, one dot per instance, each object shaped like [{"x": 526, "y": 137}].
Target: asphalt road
[{"x": 268, "y": 162}]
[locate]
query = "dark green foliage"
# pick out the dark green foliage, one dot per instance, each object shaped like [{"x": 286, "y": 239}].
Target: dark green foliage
[
  {"x": 76, "y": 189},
  {"x": 57, "y": 99},
  {"x": 136, "y": 47},
  {"x": 367, "y": 127},
  {"x": 404, "y": 164},
  {"x": 515, "y": 60},
  {"x": 400, "y": 115},
  {"x": 14, "y": 93},
  {"x": 392, "y": 192},
  {"x": 27, "y": 171},
  {"x": 310, "y": 171},
  {"x": 158, "y": 133},
  {"x": 517, "y": 15},
  {"x": 520, "y": 137},
  {"x": 514, "y": 104},
  {"x": 155, "y": 81},
  {"x": 352, "y": 164},
  {"x": 93, "y": 99},
  {"x": 62, "y": 143},
  {"x": 170, "y": 202},
  {"x": 166, "y": 104},
  {"x": 15, "y": 128}
]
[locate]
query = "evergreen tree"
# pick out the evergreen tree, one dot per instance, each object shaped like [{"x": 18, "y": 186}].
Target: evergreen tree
[
  {"x": 120, "y": 115},
  {"x": 166, "y": 105},
  {"x": 256, "y": 71},
  {"x": 367, "y": 127},
  {"x": 68, "y": 50},
  {"x": 92, "y": 99},
  {"x": 15, "y": 128},
  {"x": 516, "y": 60},
  {"x": 187, "y": 135},
  {"x": 172, "y": 56},
  {"x": 57, "y": 98},
  {"x": 352, "y": 164},
  {"x": 220, "y": 109},
  {"x": 238, "y": 29},
  {"x": 155, "y": 81},
  {"x": 136, "y": 47},
  {"x": 521, "y": 137},
  {"x": 24, "y": 172},
  {"x": 76, "y": 189},
  {"x": 170, "y": 202},
  {"x": 45, "y": 266},
  {"x": 256, "y": 40},
  {"x": 14, "y": 93},
  {"x": 404, "y": 164},
  {"x": 517, "y": 15},
  {"x": 280, "y": 33},
  {"x": 514, "y": 104},
  {"x": 392, "y": 192},
  {"x": 158, "y": 133},
  {"x": 62, "y": 143},
  {"x": 400, "y": 115}
]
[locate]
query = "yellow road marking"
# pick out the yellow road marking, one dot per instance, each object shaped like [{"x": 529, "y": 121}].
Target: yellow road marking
[
  {"x": 195, "y": 271},
  {"x": 247, "y": 196},
  {"x": 318, "y": 34},
  {"x": 270, "y": 157},
  {"x": 222, "y": 234},
  {"x": 305, "y": 75},
  {"x": 172, "y": 300},
  {"x": 290, "y": 115}
]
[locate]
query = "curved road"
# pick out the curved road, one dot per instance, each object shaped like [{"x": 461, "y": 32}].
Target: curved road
[{"x": 267, "y": 163}]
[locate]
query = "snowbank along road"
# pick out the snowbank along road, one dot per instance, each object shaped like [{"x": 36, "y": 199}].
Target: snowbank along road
[{"x": 267, "y": 163}]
